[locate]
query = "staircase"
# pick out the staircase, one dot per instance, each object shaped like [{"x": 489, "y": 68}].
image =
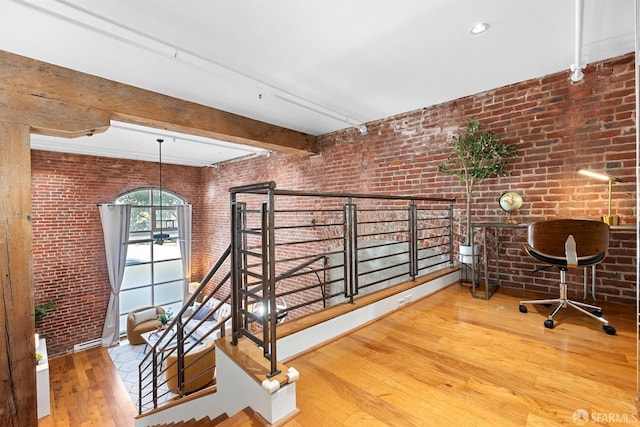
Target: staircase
[
  {"x": 327, "y": 252},
  {"x": 247, "y": 417}
]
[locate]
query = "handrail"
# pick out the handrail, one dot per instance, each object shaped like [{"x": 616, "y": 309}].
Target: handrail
[
  {"x": 261, "y": 241},
  {"x": 294, "y": 270},
  {"x": 311, "y": 251},
  {"x": 175, "y": 340},
  {"x": 266, "y": 187}
]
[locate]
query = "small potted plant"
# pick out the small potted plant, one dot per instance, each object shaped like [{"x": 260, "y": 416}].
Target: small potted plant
[
  {"x": 165, "y": 317},
  {"x": 41, "y": 310},
  {"x": 39, "y": 357},
  {"x": 477, "y": 156}
]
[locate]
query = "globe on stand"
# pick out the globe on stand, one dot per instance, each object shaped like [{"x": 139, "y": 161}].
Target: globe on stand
[{"x": 510, "y": 202}]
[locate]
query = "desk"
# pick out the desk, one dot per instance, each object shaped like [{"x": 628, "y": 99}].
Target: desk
[{"x": 490, "y": 290}]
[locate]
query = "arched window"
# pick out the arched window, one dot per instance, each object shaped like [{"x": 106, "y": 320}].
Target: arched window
[{"x": 154, "y": 274}]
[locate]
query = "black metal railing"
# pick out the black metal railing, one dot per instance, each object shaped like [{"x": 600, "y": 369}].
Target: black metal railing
[
  {"x": 297, "y": 252},
  {"x": 293, "y": 253},
  {"x": 180, "y": 355}
]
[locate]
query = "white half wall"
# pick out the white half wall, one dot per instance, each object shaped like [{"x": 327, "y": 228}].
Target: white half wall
[
  {"x": 236, "y": 389},
  {"x": 299, "y": 342}
]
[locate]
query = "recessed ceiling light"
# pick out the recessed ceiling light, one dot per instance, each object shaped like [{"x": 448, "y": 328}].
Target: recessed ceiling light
[{"x": 480, "y": 27}]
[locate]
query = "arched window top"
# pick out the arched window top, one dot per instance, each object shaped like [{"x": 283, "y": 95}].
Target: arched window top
[{"x": 149, "y": 197}]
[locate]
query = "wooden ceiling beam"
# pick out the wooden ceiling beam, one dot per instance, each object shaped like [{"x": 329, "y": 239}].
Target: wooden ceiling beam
[
  {"x": 30, "y": 90},
  {"x": 52, "y": 117}
]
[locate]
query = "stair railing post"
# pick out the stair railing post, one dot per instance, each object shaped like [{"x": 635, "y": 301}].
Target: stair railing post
[
  {"x": 413, "y": 240},
  {"x": 355, "y": 290},
  {"x": 235, "y": 269},
  {"x": 270, "y": 279},
  {"x": 451, "y": 233},
  {"x": 350, "y": 253},
  {"x": 180, "y": 358},
  {"x": 154, "y": 377},
  {"x": 243, "y": 276},
  {"x": 265, "y": 292}
]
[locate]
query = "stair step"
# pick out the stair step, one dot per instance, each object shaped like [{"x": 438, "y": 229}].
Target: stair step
[
  {"x": 203, "y": 422},
  {"x": 245, "y": 418}
]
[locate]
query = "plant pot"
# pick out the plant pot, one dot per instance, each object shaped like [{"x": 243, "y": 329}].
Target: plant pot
[{"x": 469, "y": 254}]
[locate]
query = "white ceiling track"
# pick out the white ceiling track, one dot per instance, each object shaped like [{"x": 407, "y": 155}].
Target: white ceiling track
[
  {"x": 89, "y": 20},
  {"x": 578, "y": 65}
]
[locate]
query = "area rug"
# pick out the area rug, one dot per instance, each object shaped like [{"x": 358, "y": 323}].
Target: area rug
[{"x": 127, "y": 358}]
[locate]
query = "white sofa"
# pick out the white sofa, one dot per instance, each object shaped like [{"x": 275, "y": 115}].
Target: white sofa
[{"x": 213, "y": 319}]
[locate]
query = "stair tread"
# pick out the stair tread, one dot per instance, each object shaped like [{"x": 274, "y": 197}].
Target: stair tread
[{"x": 242, "y": 418}]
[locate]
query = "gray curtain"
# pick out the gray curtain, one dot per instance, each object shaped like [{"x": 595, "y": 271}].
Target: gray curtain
[
  {"x": 115, "y": 228},
  {"x": 184, "y": 239}
]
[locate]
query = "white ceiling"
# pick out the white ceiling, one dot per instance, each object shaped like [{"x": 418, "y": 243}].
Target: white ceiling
[{"x": 314, "y": 66}]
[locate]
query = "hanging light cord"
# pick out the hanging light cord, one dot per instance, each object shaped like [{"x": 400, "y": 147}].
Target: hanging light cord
[{"x": 161, "y": 236}]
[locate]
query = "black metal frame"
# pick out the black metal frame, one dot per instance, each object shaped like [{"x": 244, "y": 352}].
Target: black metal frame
[
  {"x": 264, "y": 254},
  {"x": 250, "y": 261}
]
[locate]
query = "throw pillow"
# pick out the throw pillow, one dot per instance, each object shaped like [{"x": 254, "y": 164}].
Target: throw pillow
[
  {"x": 202, "y": 312},
  {"x": 144, "y": 315},
  {"x": 224, "y": 311}
]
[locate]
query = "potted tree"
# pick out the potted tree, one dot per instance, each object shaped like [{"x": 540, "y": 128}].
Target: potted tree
[{"x": 477, "y": 156}]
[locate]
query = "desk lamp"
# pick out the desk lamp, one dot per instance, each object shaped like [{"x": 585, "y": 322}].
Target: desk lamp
[{"x": 609, "y": 219}]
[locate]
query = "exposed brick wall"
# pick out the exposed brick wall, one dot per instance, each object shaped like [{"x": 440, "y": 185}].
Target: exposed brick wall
[
  {"x": 68, "y": 248},
  {"x": 558, "y": 127}
]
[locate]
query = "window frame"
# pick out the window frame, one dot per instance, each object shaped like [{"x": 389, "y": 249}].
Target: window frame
[{"x": 154, "y": 206}]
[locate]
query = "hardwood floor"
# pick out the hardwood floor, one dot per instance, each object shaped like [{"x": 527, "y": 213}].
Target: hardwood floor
[
  {"x": 87, "y": 391},
  {"x": 448, "y": 359}
]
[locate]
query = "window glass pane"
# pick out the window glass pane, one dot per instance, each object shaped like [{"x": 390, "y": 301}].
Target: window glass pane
[
  {"x": 167, "y": 271},
  {"x": 140, "y": 219},
  {"x": 168, "y": 250},
  {"x": 135, "y": 298},
  {"x": 138, "y": 253},
  {"x": 136, "y": 275},
  {"x": 169, "y": 292},
  {"x": 139, "y": 235},
  {"x": 123, "y": 324},
  {"x": 168, "y": 199},
  {"x": 165, "y": 218},
  {"x": 135, "y": 198}
]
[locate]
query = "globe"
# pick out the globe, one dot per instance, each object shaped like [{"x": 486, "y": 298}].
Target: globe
[{"x": 510, "y": 202}]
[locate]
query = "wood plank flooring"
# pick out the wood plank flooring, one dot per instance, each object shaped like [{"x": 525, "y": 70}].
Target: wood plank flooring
[
  {"x": 448, "y": 359},
  {"x": 87, "y": 391}
]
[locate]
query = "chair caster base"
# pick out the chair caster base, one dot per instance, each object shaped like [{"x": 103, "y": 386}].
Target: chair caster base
[
  {"x": 523, "y": 308},
  {"x": 610, "y": 330},
  {"x": 548, "y": 324}
]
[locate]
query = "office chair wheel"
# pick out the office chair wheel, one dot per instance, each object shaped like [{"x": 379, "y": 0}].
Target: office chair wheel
[
  {"x": 610, "y": 330},
  {"x": 597, "y": 313},
  {"x": 548, "y": 324},
  {"x": 523, "y": 308}
]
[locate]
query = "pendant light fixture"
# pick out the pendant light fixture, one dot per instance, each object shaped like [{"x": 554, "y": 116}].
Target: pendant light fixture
[{"x": 159, "y": 238}]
